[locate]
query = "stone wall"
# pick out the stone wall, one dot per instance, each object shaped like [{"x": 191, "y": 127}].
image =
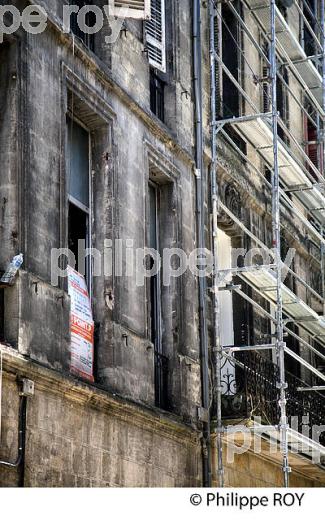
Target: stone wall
[{"x": 82, "y": 436}]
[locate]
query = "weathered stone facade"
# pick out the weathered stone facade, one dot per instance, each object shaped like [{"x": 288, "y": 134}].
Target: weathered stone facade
[
  {"x": 109, "y": 433},
  {"x": 42, "y": 78}
]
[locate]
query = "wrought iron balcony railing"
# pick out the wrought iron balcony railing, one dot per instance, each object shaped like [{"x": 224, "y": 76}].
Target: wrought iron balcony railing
[{"x": 250, "y": 390}]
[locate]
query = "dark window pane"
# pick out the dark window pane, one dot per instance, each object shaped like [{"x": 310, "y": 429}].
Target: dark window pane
[
  {"x": 77, "y": 230},
  {"x": 157, "y": 100},
  {"x": 88, "y": 39},
  {"x": 78, "y": 163}
]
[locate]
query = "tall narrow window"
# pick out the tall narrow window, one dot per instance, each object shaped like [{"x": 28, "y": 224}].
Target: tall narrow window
[
  {"x": 282, "y": 81},
  {"x": 231, "y": 57},
  {"x": 79, "y": 196},
  {"x": 157, "y": 95},
  {"x": 155, "y": 314},
  {"x": 292, "y": 365},
  {"x": 225, "y": 297},
  {"x": 226, "y": 313},
  {"x": 90, "y": 21},
  {"x": 228, "y": 46},
  {"x": 265, "y": 77},
  {"x": 313, "y": 145},
  {"x": 155, "y": 30},
  {"x": 282, "y": 98},
  {"x": 309, "y": 26}
]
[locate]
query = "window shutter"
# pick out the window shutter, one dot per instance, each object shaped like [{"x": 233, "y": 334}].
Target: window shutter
[
  {"x": 130, "y": 9},
  {"x": 156, "y": 35},
  {"x": 218, "y": 68},
  {"x": 266, "y": 85}
]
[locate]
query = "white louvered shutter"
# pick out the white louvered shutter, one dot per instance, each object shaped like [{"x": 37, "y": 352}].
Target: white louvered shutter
[
  {"x": 156, "y": 35},
  {"x": 130, "y": 9}
]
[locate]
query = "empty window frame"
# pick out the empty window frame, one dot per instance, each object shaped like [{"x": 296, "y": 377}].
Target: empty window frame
[
  {"x": 154, "y": 307},
  {"x": 79, "y": 194}
]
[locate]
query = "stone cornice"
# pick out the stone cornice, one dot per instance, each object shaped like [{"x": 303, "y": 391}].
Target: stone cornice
[{"x": 52, "y": 382}]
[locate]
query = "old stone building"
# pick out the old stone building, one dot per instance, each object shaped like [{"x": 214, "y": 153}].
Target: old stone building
[{"x": 106, "y": 138}]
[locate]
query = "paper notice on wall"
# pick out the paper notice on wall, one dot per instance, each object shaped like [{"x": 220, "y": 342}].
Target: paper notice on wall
[{"x": 82, "y": 327}]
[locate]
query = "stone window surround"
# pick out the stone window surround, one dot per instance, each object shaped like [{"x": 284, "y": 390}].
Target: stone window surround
[{"x": 94, "y": 113}]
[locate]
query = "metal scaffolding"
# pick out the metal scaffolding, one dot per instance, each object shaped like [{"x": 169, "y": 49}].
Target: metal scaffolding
[{"x": 297, "y": 183}]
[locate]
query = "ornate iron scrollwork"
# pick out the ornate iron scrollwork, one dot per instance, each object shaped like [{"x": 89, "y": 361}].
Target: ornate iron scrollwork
[{"x": 250, "y": 390}]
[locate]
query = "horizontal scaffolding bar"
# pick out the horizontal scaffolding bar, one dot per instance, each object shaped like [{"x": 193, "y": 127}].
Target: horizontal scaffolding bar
[
  {"x": 247, "y": 268},
  {"x": 233, "y": 348},
  {"x": 311, "y": 389},
  {"x": 255, "y": 428},
  {"x": 242, "y": 119}
]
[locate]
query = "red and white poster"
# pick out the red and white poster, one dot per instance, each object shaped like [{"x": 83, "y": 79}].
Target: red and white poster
[{"x": 82, "y": 327}]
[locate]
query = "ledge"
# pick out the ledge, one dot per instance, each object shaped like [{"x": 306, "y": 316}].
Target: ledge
[{"x": 143, "y": 416}]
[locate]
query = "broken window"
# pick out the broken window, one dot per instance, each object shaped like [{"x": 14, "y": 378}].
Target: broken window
[{"x": 79, "y": 196}]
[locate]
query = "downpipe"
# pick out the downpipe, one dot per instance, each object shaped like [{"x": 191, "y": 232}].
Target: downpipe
[
  {"x": 20, "y": 460},
  {"x": 197, "y": 67}
]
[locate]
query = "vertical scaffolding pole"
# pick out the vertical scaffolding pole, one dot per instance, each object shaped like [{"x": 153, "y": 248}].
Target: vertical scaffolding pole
[
  {"x": 322, "y": 38},
  {"x": 200, "y": 192},
  {"x": 216, "y": 349},
  {"x": 280, "y": 345},
  {"x": 322, "y": 15}
]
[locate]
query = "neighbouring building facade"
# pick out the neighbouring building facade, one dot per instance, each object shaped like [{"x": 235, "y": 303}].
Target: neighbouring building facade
[{"x": 100, "y": 142}]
